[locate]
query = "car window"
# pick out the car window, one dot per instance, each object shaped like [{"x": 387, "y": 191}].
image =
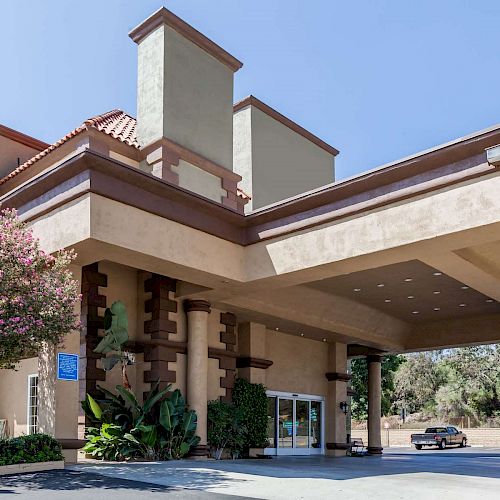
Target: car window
[{"x": 453, "y": 430}]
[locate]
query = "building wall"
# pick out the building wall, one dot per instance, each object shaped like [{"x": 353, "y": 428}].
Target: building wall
[
  {"x": 282, "y": 162},
  {"x": 299, "y": 364},
  {"x": 14, "y": 395},
  {"x": 186, "y": 95},
  {"x": 10, "y": 151}
]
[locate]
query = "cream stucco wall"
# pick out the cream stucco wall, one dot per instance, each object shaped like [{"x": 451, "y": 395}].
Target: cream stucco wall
[
  {"x": 186, "y": 95},
  {"x": 299, "y": 364},
  {"x": 14, "y": 395},
  {"x": 10, "y": 151},
  {"x": 199, "y": 181},
  {"x": 281, "y": 162}
]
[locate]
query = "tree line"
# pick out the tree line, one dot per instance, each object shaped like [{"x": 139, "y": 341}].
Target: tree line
[{"x": 443, "y": 384}]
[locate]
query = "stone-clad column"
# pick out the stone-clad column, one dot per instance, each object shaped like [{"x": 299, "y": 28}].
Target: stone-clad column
[
  {"x": 374, "y": 404},
  {"x": 197, "y": 367}
]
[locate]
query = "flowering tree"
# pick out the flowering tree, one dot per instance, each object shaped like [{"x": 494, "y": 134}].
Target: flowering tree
[{"x": 37, "y": 293}]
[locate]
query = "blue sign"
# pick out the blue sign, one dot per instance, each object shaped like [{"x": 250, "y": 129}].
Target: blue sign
[{"x": 67, "y": 366}]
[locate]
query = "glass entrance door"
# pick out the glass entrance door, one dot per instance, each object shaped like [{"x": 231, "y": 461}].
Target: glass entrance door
[{"x": 295, "y": 424}]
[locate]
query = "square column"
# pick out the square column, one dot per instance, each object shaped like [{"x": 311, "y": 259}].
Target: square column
[
  {"x": 374, "y": 405},
  {"x": 197, "y": 368},
  {"x": 335, "y": 421}
]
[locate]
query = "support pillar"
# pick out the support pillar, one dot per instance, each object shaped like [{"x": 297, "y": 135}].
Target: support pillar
[
  {"x": 335, "y": 421},
  {"x": 374, "y": 405},
  {"x": 197, "y": 367},
  {"x": 252, "y": 363}
]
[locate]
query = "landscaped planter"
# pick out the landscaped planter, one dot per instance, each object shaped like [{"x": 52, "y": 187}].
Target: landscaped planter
[
  {"x": 34, "y": 467},
  {"x": 259, "y": 452}
]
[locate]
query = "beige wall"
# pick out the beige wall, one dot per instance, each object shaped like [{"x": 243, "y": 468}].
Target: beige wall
[
  {"x": 283, "y": 162},
  {"x": 186, "y": 95},
  {"x": 14, "y": 395},
  {"x": 10, "y": 151},
  {"x": 299, "y": 365}
]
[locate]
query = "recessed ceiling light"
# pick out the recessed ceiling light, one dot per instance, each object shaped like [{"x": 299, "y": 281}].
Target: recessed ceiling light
[
  {"x": 408, "y": 280},
  {"x": 387, "y": 300},
  {"x": 277, "y": 329},
  {"x": 464, "y": 287},
  {"x": 324, "y": 340},
  {"x": 357, "y": 289},
  {"x": 411, "y": 297},
  {"x": 436, "y": 292},
  {"x": 380, "y": 285},
  {"x": 437, "y": 274},
  {"x": 489, "y": 301},
  {"x": 462, "y": 305},
  {"x": 301, "y": 334},
  {"x": 415, "y": 312},
  {"x": 437, "y": 309}
]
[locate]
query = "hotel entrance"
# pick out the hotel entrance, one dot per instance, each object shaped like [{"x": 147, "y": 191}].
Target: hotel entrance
[{"x": 295, "y": 424}]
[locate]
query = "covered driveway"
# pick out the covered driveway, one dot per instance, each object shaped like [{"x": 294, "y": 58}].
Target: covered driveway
[{"x": 400, "y": 473}]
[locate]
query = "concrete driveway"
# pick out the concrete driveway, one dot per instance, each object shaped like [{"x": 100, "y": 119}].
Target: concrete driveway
[{"x": 456, "y": 474}]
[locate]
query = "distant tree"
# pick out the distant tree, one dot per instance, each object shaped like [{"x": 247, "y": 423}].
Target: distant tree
[
  {"x": 37, "y": 293},
  {"x": 472, "y": 386},
  {"x": 417, "y": 381},
  {"x": 359, "y": 383}
]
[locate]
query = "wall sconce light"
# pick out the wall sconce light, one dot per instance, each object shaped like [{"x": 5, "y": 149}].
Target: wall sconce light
[{"x": 344, "y": 406}]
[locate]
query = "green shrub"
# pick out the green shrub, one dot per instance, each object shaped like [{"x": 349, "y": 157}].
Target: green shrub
[
  {"x": 226, "y": 430},
  {"x": 29, "y": 449},
  {"x": 251, "y": 401}
]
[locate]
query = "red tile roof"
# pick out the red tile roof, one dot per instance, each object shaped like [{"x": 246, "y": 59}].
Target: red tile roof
[{"x": 115, "y": 123}]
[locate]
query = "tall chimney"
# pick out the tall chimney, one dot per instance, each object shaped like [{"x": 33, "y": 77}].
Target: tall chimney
[{"x": 185, "y": 88}]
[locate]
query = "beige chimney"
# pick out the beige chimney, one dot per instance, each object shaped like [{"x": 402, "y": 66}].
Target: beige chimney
[{"x": 185, "y": 88}]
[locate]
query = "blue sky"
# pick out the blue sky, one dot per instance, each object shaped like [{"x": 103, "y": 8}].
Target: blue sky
[{"x": 377, "y": 79}]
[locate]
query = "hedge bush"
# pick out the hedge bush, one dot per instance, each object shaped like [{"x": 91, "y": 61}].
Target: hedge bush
[
  {"x": 251, "y": 401},
  {"x": 29, "y": 449}
]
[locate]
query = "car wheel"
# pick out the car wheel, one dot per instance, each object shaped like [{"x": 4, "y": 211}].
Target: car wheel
[
  {"x": 463, "y": 444},
  {"x": 418, "y": 446},
  {"x": 442, "y": 444}
]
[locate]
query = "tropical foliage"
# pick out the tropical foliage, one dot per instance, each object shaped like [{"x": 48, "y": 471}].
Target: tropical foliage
[
  {"x": 226, "y": 430},
  {"x": 161, "y": 428},
  {"x": 116, "y": 335},
  {"x": 29, "y": 449},
  {"x": 37, "y": 293}
]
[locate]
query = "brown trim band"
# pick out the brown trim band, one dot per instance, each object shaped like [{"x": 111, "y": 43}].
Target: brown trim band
[
  {"x": 164, "y": 16},
  {"x": 338, "y": 446},
  {"x": 253, "y": 101},
  {"x": 21, "y": 138},
  {"x": 196, "y": 305},
  {"x": 341, "y": 377},
  {"x": 249, "y": 362},
  {"x": 374, "y": 358}
]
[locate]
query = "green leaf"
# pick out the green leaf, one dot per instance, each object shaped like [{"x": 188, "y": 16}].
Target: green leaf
[
  {"x": 166, "y": 416},
  {"x": 94, "y": 406}
]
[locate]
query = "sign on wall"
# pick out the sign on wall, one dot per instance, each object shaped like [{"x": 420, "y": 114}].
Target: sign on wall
[{"x": 67, "y": 366}]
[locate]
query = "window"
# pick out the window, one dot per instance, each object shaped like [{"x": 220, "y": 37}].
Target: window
[{"x": 32, "y": 424}]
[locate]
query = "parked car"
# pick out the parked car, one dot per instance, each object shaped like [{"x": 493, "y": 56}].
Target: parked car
[{"x": 440, "y": 437}]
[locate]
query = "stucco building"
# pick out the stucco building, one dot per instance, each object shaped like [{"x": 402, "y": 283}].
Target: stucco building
[{"x": 222, "y": 229}]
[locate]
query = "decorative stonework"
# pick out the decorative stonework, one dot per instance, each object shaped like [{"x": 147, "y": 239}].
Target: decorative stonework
[
  {"x": 341, "y": 377},
  {"x": 91, "y": 322},
  {"x": 196, "y": 305},
  {"x": 160, "y": 353},
  {"x": 249, "y": 362},
  {"x": 228, "y": 362}
]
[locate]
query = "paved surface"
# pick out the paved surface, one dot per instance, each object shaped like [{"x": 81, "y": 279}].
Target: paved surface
[
  {"x": 470, "y": 473},
  {"x": 63, "y": 485}
]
